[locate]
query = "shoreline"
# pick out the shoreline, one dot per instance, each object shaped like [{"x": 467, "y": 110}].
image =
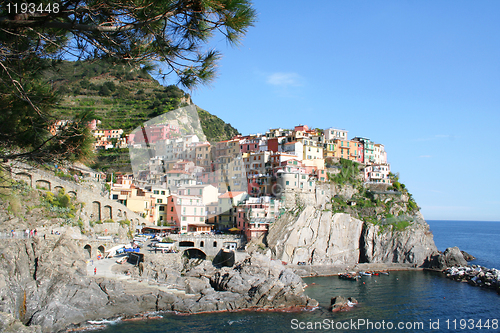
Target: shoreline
[
  {"x": 137, "y": 288},
  {"x": 155, "y": 315},
  {"x": 305, "y": 271},
  {"x": 318, "y": 270}
]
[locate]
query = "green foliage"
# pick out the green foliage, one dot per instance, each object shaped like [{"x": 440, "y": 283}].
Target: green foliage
[
  {"x": 60, "y": 204},
  {"x": 411, "y": 205},
  {"x": 124, "y": 222},
  {"x": 130, "y": 35},
  {"x": 349, "y": 173},
  {"x": 168, "y": 240},
  {"x": 215, "y": 129}
]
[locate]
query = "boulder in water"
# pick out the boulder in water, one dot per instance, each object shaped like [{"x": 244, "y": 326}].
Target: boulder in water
[{"x": 340, "y": 303}]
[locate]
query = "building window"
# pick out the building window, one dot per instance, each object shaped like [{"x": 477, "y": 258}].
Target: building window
[
  {"x": 161, "y": 209},
  {"x": 159, "y": 200}
]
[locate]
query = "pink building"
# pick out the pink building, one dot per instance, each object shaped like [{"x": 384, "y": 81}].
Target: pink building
[{"x": 153, "y": 134}]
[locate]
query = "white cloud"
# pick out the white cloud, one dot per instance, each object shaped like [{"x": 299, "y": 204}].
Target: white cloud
[{"x": 284, "y": 79}]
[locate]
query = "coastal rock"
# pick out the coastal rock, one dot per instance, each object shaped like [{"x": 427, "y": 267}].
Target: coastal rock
[
  {"x": 317, "y": 237},
  {"x": 340, "y": 303},
  {"x": 414, "y": 244},
  {"x": 475, "y": 275},
  {"x": 262, "y": 282},
  {"x": 454, "y": 257},
  {"x": 451, "y": 257},
  {"x": 8, "y": 324},
  {"x": 467, "y": 256},
  {"x": 311, "y": 233}
]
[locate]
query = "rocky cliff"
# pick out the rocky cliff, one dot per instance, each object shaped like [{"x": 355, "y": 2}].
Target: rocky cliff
[
  {"x": 345, "y": 225},
  {"x": 44, "y": 285}
]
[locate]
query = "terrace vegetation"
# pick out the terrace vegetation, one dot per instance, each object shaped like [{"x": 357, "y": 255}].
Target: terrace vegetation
[
  {"x": 394, "y": 208},
  {"x": 123, "y": 97}
]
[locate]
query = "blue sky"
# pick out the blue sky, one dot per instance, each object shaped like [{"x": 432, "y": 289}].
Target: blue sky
[{"x": 420, "y": 77}]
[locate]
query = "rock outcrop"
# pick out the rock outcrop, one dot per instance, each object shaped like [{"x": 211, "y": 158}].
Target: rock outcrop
[
  {"x": 321, "y": 237},
  {"x": 414, "y": 244},
  {"x": 317, "y": 237},
  {"x": 451, "y": 257},
  {"x": 44, "y": 284},
  {"x": 340, "y": 303}
]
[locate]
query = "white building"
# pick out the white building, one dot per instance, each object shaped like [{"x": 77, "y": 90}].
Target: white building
[
  {"x": 335, "y": 133},
  {"x": 378, "y": 173}
]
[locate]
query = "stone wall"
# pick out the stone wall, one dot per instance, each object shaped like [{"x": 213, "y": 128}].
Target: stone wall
[{"x": 96, "y": 206}]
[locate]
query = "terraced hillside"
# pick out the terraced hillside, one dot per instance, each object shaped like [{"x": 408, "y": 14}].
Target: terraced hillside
[{"x": 122, "y": 97}]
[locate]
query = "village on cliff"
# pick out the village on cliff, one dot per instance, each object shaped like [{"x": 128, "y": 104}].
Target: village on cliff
[{"x": 192, "y": 186}]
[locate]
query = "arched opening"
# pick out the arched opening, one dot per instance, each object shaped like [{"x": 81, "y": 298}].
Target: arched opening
[
  {"x": 108, "y": 213},
  {"x": 215, "y": 244},
  {"x": 195, "y": 254},
  {"x": 119, "y": 214},
  {"x": 88, "y": 249},
  {"x": 24, "y": 177},
  {"x": 96, "y": 211},
  {"x": 72, "y": 194},
  {"x": 57, "y": 189},
  {"x": 101, "y": 250},
  {"x": 43, "y": 184},
  {"x": 186, "y": 243},
  {"x": 202, "y": 244}
]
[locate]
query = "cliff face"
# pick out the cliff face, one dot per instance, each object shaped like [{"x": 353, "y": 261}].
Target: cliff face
[
  {"x": 414, "y": 244},
  {"x": 317, "y": 237},
  {"x": 313, "y": 231},
  {"x": 43, "y": 284}
]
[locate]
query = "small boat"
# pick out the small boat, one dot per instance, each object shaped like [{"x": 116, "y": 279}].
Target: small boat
[
  {"x": 348, "y": 276},
  {"x": 365, "y": 273},
  {"x": 122, "y": 260},
  {"x": 384, "y": 273},
  {"x": 164, "y": 245}
]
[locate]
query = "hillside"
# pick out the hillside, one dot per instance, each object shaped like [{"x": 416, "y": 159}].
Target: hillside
[{"x": 122, "y": 97}]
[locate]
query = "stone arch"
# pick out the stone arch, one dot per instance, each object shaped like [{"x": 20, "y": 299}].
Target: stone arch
[
  {"x": 101, "y": 250},
  {"x": 215, "y": 243},
  {"x": 186, "y": 244},
  {"x": 108, "y": 212},
  {"x": 88, "y": 248},
  {"x": 119, "y": 213},
  {"x": 25, "y": 177},
  {"x": 43, "y": 184},
  {"x": 124, "y": 215},
  {"x": 96, "y": 211},
  {"x": 57, "y": 189},
  {"x": 72, "y": 194},
  {"x": 195, "y": 254},
  {"x": 202, "y": 244}
]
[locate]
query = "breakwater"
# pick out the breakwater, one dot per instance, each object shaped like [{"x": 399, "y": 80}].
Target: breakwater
[{"x": 475, "y": 275}]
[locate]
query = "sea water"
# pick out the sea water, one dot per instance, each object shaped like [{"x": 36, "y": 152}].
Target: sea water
[{"x": 401, "y": 301}]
